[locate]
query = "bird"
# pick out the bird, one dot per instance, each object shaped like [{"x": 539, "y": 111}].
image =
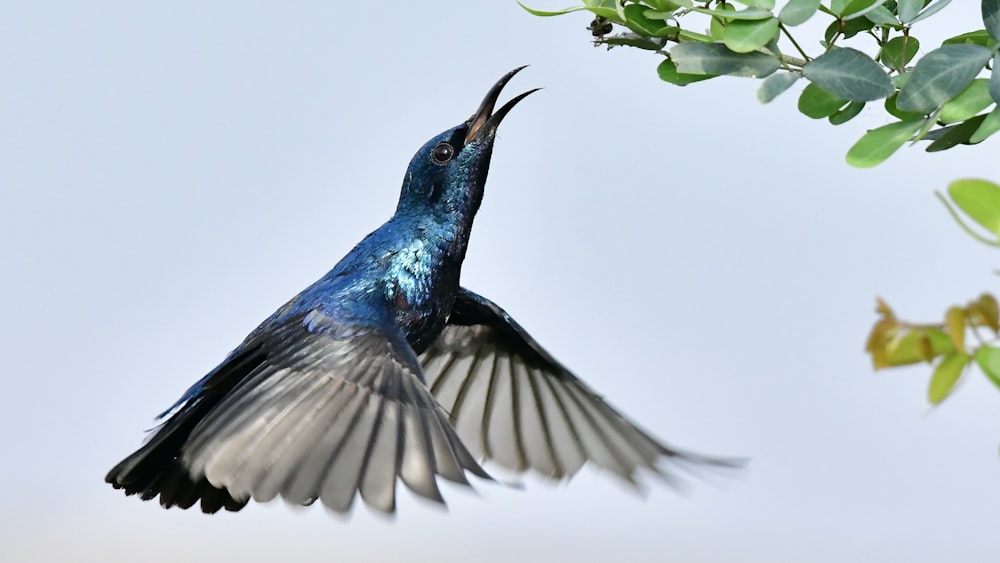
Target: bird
[{"x": 387, "y": 370}]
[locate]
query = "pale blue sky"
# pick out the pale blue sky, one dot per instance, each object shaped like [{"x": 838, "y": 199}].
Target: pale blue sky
[{"x": 172, "y": 174}]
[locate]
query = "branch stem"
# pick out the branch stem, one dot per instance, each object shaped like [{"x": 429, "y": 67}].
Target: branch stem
[{"x": 794, "y": 42}]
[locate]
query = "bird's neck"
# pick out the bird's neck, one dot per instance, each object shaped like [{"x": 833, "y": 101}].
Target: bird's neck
[
  {"x": 444, "y": 232},
  {"x": 422, "y": 273}
]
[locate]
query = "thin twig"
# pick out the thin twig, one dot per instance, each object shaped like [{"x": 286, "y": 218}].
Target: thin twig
[
  {"x": 794, "y": 42},
  {"x": 961, "y": 223}
]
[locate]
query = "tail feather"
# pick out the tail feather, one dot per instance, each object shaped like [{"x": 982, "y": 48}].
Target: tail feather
[{"x": 156, "y": 469}]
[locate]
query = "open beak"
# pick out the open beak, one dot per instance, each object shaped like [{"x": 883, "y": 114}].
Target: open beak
[{"x": 484, "y": 122}]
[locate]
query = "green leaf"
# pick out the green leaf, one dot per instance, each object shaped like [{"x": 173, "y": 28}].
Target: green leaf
[
  {"x": 692, "y": 36},
  {"x": 670, "y": 5},
  {"x": 762, "y": 4},
  {"x": 882, "y": 16},
  {"x": 980, "y": 200},
  {"x": 744, "y": 36},
  {"x": 979, "y": 37},
  {"x": 636, "y": 20},
  {"x": 858, "y": 8},
  {"x": 946, "y": 375},
  {"x": 748, "y": 14},
  {"x": 989, "y": 126},
  {"x": 619, "y": 6},
  {"x": 918, "y": 345},
  {"x": 845, "y": 9},
  {"x": 847, "y": 28},
  {"x": 890, "y": 106},
  {"x": 831, "y": 31},
  {"x": 941, "y": 74},
  {"x": 955, "y": 135},
  {"x": 879, "y": 144},
  {"x": 930, "y": 10},
  {"x": 774, "y": 85},
  {"x": 717, "y": 27},
  {"x": 607, "y": 9},
  {"x": 797, "y": 12},
  {"x": 545, "y": 14},
  {"x": 995, "y": 79},
  {"x": 991, "y": 17},
  {"x": 849, "y": 74},
  {"x": 974, "y": 99},
  {"x": 668, "y": 73},
  {"x": 899, "y": 51},
  {"x": 908, "y": 9},
  {"x": 929, "y": 122},
  {"x": 715, "y": 58},
  {"x": 849, "y": 112},
  {"x": 817, "y": 103},
  {"x": 988, "y": 359},
  {"x": 663, "y": 15}
]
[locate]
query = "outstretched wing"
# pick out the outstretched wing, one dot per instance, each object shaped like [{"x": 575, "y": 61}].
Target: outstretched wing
[
  {"x": 330, "y": 411},
  {"x": 512, "y": 402}
]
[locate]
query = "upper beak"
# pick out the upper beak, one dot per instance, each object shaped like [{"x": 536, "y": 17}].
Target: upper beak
[{"x": 484, "y": 122}]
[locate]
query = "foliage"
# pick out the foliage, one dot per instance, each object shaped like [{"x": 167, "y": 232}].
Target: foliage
[
  {"x": 893, "y": 342},
  {"x": 949, "y": 96},
  {"x": 940, "y": 98}
]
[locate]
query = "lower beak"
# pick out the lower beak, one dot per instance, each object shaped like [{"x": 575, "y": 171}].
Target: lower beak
[{"x": 484, "y": 122}]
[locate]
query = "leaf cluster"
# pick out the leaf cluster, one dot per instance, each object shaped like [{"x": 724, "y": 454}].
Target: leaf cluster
[
  {"x": 893, "y": 342},
  {"x": 949, "y": 96},
  {"x": 939, "y": 97}
]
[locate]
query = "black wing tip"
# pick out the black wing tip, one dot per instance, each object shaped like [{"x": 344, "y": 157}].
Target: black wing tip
[{"x": 174, "y": 487}]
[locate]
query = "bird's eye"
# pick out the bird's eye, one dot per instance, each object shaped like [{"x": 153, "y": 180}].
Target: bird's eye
[{"x": 442, "y": 153}]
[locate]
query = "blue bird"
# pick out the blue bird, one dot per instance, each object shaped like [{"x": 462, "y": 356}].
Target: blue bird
[{"x": 385, "y": 369}]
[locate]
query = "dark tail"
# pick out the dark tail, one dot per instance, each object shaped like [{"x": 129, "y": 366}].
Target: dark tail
[{"x": 156, "y": 469}]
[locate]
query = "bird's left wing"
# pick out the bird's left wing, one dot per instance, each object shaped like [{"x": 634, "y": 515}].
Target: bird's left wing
[
  {"x": 512, "y": 402},
  {"x": 334, "y": 410}
]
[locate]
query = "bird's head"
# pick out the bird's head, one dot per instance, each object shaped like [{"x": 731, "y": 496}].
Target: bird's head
[{"x": 447, "y": 175}]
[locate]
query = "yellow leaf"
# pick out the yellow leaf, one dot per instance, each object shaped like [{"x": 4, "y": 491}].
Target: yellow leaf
[
  {"x": 880, "y": 359},
  {"x": 955, "y": 325},
  {"x": 882, "y": 308},
  {"x": 987, "y": 306},
  {"x": 880, "y": 334},
  {"x": 924, "y": 347}
]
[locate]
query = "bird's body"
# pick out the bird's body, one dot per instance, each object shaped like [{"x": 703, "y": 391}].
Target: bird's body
[
  {"x": 385, "y": 369},
  {"x": 398, "y": 276}
]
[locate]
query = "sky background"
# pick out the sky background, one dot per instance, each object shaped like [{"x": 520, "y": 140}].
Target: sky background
[{"x": 172, "y": 173}]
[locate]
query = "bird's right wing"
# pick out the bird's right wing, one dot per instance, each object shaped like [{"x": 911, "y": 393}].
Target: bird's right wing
[
  {"x": 331, "y": 412},
  {"x": 512, "y": 402}
]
